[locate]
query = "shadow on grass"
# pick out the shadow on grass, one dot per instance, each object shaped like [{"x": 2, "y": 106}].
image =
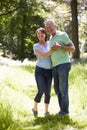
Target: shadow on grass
[
  {"x": 55, "y": 122},
  {"x": 51, "y": 122}
]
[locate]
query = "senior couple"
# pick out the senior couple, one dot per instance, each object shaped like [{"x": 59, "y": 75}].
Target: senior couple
[{"x": 52, "y": 61}]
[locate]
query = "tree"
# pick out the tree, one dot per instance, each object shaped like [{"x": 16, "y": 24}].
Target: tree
[
  {"x": 75, "y": 38},
  {"x": 23, "y": 18}
]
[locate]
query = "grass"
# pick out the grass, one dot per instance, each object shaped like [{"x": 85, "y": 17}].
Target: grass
[{"x": 17, "y": 91}]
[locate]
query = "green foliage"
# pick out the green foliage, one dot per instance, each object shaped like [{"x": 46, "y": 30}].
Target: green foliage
[
  {"x": 5, "y": 115},
  {"x": 22, "y": 23},
  {"x": 78, "y": 80},
  {"x": 80, "y": 72},
  {"x": 20, "y": 18}
]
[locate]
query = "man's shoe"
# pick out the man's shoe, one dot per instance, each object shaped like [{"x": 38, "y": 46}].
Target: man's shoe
[
  {"x": 35, "y": 113},
  {"x": 62, "y": 114}
]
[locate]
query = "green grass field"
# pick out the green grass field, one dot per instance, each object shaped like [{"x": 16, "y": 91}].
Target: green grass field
[{"x": 18, "y": 88}]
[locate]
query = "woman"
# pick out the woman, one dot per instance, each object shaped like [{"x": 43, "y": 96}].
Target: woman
[{"x": 43, "y": 71}]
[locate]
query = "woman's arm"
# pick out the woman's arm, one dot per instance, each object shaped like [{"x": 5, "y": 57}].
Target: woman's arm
[{"x": 42, "y": 54}]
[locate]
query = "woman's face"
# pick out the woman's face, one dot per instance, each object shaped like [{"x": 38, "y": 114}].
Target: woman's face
[{"x": 40, "y": 35}]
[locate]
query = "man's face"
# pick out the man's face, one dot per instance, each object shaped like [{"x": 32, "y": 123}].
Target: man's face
[{"x": 50, "y": 28}]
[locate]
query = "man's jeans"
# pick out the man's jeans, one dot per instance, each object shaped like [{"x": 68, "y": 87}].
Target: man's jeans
[{"x": 61, "y": 74}]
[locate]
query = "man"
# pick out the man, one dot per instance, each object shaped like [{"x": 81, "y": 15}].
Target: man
[{"x": 62, "y": 44}]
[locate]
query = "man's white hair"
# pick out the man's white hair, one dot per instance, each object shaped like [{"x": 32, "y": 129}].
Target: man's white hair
[{"x": 49, "y": 20}]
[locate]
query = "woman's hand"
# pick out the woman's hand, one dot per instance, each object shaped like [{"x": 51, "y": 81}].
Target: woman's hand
[{"x": 56, "y": 46}]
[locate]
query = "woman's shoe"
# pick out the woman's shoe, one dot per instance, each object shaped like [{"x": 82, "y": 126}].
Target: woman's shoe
[
  {"x": 47, "y": 114},
  {"x": 35, "y": 113}
]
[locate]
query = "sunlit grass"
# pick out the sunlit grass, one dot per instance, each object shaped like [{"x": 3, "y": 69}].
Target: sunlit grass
[
  {"x": 78, "y": 86},
  {"x": 17, "y": 91}
]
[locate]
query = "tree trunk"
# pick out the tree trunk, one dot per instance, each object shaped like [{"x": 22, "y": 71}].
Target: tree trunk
[
  {"x": 75, "y": 28},
  {"x": 23, "y": 34}
]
